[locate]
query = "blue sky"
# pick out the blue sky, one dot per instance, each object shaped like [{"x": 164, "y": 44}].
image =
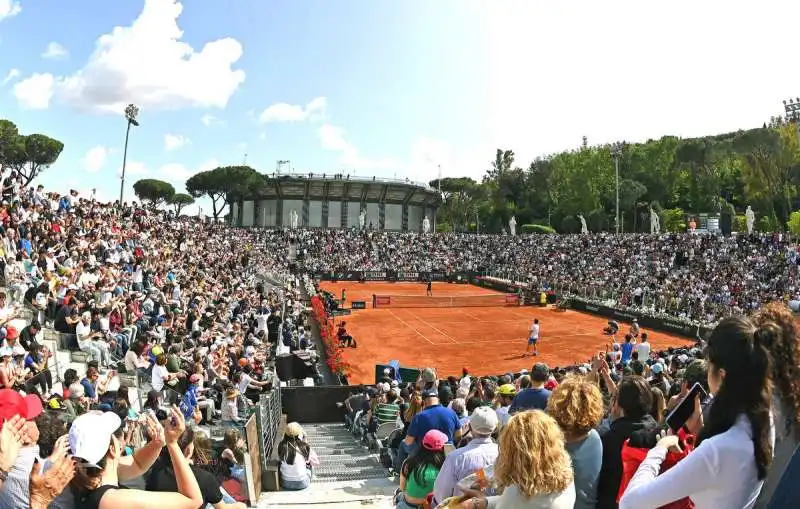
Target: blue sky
[{"x": 378, "y": 87}]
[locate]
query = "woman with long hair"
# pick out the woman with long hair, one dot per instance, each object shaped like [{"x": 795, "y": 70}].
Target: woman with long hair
[
  {"x": 735, "y": 444},
  {"x": 419, "y": 471},
  {"x": 297, "y": 458},
  {"x": 784, "y": 349},
  {"x": 533, "y": 468}
]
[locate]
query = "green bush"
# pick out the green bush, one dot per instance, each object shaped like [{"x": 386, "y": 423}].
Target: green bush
[
  {"x": 740, "y": 223},
  {"x": 443, "y": 228},
  {"x": 794, "y": 222},
  {"x": 570, "y": 224},
  {"x": 673, "y": 220},
  {"x": 536, "y": 228},
  {"x": 768, "y": 223}
]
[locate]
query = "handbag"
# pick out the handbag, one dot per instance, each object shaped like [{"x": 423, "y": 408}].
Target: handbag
[{"x": 632, "y": 457}]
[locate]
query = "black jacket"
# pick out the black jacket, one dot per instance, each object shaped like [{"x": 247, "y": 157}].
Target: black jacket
[{"x": 642, "y": 433}]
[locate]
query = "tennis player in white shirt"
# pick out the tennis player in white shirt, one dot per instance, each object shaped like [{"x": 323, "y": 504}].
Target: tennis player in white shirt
[{"x": 533, "y": 338}]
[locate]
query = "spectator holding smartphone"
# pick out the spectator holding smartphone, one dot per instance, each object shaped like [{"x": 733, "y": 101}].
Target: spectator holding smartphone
[{"x": 735, "y": 446}]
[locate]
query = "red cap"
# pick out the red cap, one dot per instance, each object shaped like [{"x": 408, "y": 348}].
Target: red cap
[
  {"x": 434, "y": 440},
  {"x": 13, "y": 403},
  {"x": 11, "y": 332}
]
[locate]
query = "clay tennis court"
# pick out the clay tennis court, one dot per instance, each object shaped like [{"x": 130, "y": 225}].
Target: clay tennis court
[{"x": 488, "y": 340}]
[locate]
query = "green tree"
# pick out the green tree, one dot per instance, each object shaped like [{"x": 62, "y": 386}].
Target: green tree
[
  {"x": 179, "y": 201},
  {"x": 793, "y": 225},
  {"x": 226, "y": 185},
  {"x": 28, "y": 155},
  {"x": 154, "y": 191}
]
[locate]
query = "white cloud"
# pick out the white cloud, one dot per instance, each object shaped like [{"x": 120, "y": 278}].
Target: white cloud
[
  {"x": 177, "y": 173},
  {"x": 9, "y": 8},
  {"x": 35, "y": 91},
  {"x": 135, "y": 168},
  {"x": 210, "y": 120},
  {"x": 11, "y": 76},
  {"x": 333, "y": 138},
  {"x": 54, "y": 50},
  {"x": 175, "y": 141},
  {"x": 95, "y": 158},
  {"x": 147, "y": 64},
  {"x": 283, "y": 112}
]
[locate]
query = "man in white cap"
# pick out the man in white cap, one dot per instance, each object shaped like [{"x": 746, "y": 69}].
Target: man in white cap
[{"x": 480, "y": 452}]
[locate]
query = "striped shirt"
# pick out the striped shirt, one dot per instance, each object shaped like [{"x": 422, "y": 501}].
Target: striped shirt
[{"x": 387, "y": 412}]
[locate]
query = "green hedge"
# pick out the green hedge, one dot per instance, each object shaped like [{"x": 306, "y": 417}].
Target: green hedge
[{"x": 536, "y": 228}]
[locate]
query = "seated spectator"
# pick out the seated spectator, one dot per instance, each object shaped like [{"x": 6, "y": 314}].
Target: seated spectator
[
  {"x": 481, "y": 452},
  {"x": 92, "y": 342},
  {"x": 297, "y": 459},
  {"x": 230, "y": 407},
  {"x": 94, "y": 439},
  {"x": 418, "y": 473},
  {"x": 162, "y": 477},
  {"x": 577, "y": 406},
  {"x": 233, "y": 455},
  {"x": 533, "y": 468}
]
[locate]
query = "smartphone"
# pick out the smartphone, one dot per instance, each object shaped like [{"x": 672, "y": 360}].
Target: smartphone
[{"x": 681, "y": 413}]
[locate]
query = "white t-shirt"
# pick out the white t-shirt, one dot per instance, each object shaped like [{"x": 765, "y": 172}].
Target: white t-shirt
[
  {"x": 83, "y": 331},
  {"x": 244, "y": 383},
  {"x": 727, "y": 459},
  {"x": 644, "y": 351},
  {"x": 159, "y": 373},
  {"x": 534, "y": 331}
]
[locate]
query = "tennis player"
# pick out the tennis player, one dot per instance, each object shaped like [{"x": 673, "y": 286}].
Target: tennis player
[
  {"x": 429, "y": 289},
  {"x": 533, "y": 338}
]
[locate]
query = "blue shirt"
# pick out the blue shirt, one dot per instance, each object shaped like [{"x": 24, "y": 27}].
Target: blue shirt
[
  {"x": 88, "y": 388},
  {"x": 587, "y": 459},
  {"x": 189, "y": 402},
  {"x": 627, "y": 351},
  {"x": 434, "y": 417},
  {"x": 530, "y": 399}
]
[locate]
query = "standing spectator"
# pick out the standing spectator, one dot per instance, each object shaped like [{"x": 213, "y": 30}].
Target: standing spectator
[
  {"x": 535, "y": 397},
  {"x": 434, "y": 416},
  {"x": 631, "y": 419},
  {"x": 728, "y": 467},
  {"x": 577, "y": 406}
]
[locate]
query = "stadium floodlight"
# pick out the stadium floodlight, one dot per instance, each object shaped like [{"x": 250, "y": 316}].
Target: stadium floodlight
[
  {"x": 792, "y": 109},
  {"x": 616, "y": 153},
  {"x": 131, "y": 112}
]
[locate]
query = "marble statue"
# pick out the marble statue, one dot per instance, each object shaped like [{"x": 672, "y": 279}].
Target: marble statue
[
  {"x": 750, "y": 218},
  {"x": 362, "y": 219},
  {"x": 655, "y": 222},
  {"x": 426, "y": 225},
  {"x": 584, "y": 228},
  {"x": 512, "y": 226},
  {"x": 293, "y": 218}
]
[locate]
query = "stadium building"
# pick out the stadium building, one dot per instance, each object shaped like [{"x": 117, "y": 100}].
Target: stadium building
[{"x": 336, "y": 201}]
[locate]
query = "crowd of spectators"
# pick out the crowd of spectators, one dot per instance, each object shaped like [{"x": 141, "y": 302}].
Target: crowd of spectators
[
  {"x": 693, "y": 276},
  {"x": 173, "y": 312},
  {"x": 594, "y": 435}
]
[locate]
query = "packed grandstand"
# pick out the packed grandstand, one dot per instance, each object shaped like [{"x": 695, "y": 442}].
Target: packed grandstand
[{"x": 190, "y": 316}]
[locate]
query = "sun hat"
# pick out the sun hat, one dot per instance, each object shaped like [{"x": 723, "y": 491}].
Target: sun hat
[
  {"x": 434, "y": 440},
  {"x": 294, "y": 429},
  {"x": 6, "y": 351},
  {"x": 483, "y": 420},
  {"x": 657, "y": 368},
  {"x": 13, "y": 403},
  {"x": 232, "y": 393},
  {"x": 428, "y": 375},
  {"x": 90, "y": 436}
]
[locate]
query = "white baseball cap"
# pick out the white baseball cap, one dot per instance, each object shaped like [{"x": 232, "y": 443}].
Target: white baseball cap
[{"x": 90, "y": 436}]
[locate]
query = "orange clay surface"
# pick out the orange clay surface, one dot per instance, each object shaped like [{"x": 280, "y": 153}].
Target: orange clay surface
[{"x": 488, "y": 340}]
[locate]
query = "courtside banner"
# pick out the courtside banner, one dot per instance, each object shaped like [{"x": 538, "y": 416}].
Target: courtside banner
[{"x": 391, "y": 275}]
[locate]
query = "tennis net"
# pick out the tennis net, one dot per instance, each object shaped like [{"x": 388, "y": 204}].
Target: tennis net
[{"x": 456, "y": 301}]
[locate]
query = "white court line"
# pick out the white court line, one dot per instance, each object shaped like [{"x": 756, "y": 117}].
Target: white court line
[
  {"x": 448, "y": 336},
  {"x": 412, "y": 328},
  {"x": 472, "y": 317}
]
